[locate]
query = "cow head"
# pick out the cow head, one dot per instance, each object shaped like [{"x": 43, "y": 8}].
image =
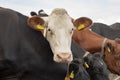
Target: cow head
[
  {"x": 112, "y": 57},
  {"x": 58, "y": 30},
  {"x": 96, "y": 67},
  {"x": 76, "y": 70}
]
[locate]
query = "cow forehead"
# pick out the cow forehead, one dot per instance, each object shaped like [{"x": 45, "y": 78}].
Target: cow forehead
[
  {"x": 59, "y": 18},
  {"x": 58, "y": 11},
  {"x": 60, "y": 23}
]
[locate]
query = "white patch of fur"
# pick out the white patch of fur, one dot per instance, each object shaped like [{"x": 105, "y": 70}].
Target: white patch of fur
[
  {"x": 86, "y": 53},
  {"x": 90, "y": 29},
  {"x": 59, "y": 11},
  {"x": 60, "y": 24}
]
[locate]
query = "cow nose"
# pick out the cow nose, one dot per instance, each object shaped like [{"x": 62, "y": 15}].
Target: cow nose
[{"x": 64, "y": 57}]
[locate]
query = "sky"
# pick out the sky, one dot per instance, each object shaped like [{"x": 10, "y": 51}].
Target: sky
[{"x": 103, "y": 11}]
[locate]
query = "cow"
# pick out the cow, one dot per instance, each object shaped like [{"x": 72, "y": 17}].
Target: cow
[
  {"x": 77, "y": 71},
  {"x": 108, "y": 50},
  {"x": 41, "y": 13},
  {"x": 27, "y": 54},
  {"x": 115, "y": 26},
  {"x": 89, "y": 67},
  {"x": 105, "y": 30},
  {"x": 95, "y": 66},
  {"x": 94, "y": 42},
  {"x": 36, "y": 23}
]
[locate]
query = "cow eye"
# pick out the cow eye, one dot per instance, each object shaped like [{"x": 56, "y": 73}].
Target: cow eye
[
  {"x": 50, "y": 31},
  {"x": 71, "y": 31}
]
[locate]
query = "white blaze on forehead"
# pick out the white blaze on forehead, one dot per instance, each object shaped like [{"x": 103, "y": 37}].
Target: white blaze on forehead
[
  {"x": 60, "y": 25},
  {"x": 59, "y": 12},
  {"x": 61, "y": 41},
  {"x": 59, "y": 18}
]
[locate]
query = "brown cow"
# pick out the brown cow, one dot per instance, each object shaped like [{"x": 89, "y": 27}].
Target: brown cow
[{"x": 93, "y": 42}]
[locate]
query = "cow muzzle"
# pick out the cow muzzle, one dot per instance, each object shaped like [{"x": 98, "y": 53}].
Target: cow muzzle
[{"x": 63, "y": 57}]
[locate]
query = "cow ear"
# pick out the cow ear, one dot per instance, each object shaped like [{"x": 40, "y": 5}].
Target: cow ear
[
  {"x": 36, "y": 23},
  {"x": 98, "y": 55},
  {"x": 108, "y": 48},
  {"x": 82, "y": 23},
  {"x": 117, "y": 40},
  {"x": 32, "y": 13}
]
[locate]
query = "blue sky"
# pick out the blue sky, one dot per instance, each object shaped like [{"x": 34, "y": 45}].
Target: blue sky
[{"x": 105, "y": 11}]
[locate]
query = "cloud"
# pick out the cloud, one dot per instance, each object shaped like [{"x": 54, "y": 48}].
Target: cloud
[
  {"x": 97, "y": 10},
  {"x": 100, "y": 20},
  {"x": 116, "y": 1}
]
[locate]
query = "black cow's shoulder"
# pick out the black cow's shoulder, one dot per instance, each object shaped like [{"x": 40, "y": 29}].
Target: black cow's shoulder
[{"x": 24, "y": 51}]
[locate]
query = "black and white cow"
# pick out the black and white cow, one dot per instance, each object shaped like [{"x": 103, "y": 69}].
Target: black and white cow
[{"x": 25, "y": 54}]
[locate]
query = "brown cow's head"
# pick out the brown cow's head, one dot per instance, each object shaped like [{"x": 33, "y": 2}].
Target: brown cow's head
[{"x": 112, "y": 57}]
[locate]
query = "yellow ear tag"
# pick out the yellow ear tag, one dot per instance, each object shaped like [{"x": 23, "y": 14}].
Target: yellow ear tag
[
  {"x": 86, "y": 65},
  {"x": 67, "y": 78},
  {"x": 72, "y": 74},
  {"x": 40, "y": 27},
  {"x": 81, "y": 26},
  {"x": 108, "y": 49}
]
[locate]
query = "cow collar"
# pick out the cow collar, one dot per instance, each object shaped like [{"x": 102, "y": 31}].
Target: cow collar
[
  {"x": 103, "y": 45},
  {"x": 86, "y": 53}
]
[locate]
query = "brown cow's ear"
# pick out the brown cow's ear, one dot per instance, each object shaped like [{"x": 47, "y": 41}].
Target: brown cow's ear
[
  {"x": 36, "y": 23},
  {"x": 108, "y": 48},
  {"x": 117, "y": 40},
  {"x": 82, "y": 23}
]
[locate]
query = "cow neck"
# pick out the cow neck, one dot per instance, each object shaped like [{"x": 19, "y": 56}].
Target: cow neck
[{"x": 88, "y": 39}]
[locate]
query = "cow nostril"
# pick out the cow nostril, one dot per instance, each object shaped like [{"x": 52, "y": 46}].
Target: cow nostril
[
  {"x": 58, "y": 55},
  {"x": 69, "y": 56}
]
